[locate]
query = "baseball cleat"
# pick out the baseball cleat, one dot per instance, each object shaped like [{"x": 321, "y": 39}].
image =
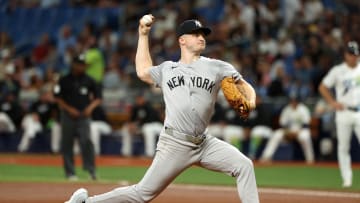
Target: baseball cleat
[
  {"x": 347, "y": 184},
  {"x": 72, "y": 178},
  {"x": 79, "y": 196}
]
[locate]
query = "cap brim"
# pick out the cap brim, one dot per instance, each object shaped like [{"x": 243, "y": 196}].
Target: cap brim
[
  {"x": 80, "y": 62},
  {"x": 205, "y": 30},
  {"x": 352, "y": 53}
]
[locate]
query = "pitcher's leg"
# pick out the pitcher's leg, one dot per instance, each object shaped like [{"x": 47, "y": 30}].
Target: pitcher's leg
[
  {"x": 169, "y": 161},
  {"x": 223, "y": 157}
]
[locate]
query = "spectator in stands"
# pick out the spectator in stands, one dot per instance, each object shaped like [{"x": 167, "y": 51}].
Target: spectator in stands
[
  {"x": 6, "y": 63},
  {"x": 9, "y": 82},
  {"x": 292, "y": 10},
  {"x": 144, "y": 120},
  {"x": 294, "y": 121},
  {"x": 42, "y": 50},
  {"x": 9, "y": 88},
  {"x": 114, "y": 77},
  {"x": 77, "y": 95},
  {"x": 5, "y": 41},
  {"x": 41, "y": 117},
  {"x": 94, "y": 60},
  {"x": 108, "y": 41},
  {"x": 65, "y": 40},
  {"x": 312, "y": 10}
]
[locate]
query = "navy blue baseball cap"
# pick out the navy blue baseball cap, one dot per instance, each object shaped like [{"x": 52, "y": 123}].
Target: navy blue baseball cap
[
  {"x": 190, "y": 26},
  {"x": 352, "y": 47},
  {"x": 79, "y": 59}
]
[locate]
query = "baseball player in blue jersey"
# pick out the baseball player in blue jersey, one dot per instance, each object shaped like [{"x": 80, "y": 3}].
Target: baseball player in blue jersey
[{"x": 190, "y": 87}]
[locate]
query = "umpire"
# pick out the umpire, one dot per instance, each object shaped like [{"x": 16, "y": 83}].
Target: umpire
[{"x": 77, "y": 95}]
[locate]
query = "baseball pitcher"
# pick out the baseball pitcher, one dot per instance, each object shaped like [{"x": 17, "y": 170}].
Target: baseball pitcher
[{"x": 190, "y": 87}]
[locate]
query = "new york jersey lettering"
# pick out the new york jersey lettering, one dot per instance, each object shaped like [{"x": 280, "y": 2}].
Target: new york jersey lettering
[
  {"x": 175, "y": 82},
  {"x": 203, "y": 83}
]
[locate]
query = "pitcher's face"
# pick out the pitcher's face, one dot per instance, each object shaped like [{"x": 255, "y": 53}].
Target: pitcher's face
[{"x": 194, "y": 42}]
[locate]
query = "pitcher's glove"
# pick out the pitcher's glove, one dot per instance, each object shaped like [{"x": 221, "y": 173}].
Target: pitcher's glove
[{"x": 235, "y": 97}]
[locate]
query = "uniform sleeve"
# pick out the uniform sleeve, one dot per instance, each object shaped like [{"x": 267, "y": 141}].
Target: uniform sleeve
[
  {"x": 330, "y": 78},
  {"x": 156, "y": 74},
  {"x": 58, "y": 88},
  {"x": 96, "y": 90},
  {"x": 283, "y": 120},
  {"x": 306, "y": 115},
  {"x": 228, "y": 70}
]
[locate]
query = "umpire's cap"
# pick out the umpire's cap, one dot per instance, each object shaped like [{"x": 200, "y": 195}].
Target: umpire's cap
[
  {"x": 189, "y": 26},
  {"x": 352, "y": 47},
  {"x": 79, "y": 59}
]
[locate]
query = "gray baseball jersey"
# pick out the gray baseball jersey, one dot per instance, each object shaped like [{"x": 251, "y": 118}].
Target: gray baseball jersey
[{"x": 190, "y": 91}]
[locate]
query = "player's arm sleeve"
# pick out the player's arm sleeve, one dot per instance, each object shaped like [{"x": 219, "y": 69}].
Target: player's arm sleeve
[
  {"x": 97, "y": 90},
  {"x": 330, "y": 78},
  {"x": 228, "y": 70},
  {"x": 156, "y": 74},
  {"x": 306, "y": 117},
  {"x": 283, "y": 120},
  {"x": 58, "y": 89}
]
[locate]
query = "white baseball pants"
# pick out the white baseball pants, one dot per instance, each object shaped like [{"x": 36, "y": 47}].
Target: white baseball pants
[
  {"x": 150, "y": 132},
  {"x": 30, "y": 127},
  {"x": 346, "y": 122},
  {"x": 228, "y": 133},
  {"x": 6, "y": 124},
  {"x": 98, "y": 128},
  {"x": 304, "y": 138}
]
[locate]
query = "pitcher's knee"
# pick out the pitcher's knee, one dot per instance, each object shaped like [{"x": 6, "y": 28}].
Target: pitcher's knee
[
  {"x": 146, "y": 194},
  {"x": 243, "y": 166}
]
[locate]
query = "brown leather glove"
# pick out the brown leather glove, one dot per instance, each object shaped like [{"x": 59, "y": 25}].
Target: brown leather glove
[{"x": 236, "y": 99}]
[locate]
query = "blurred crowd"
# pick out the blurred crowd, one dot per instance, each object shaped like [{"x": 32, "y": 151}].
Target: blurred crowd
[{"x": 279, "y": 46}]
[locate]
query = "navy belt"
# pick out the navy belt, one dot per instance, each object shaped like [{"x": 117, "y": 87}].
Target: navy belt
[
  {"x": 353, "y": 109},
  {"x": 196, "y": 139}
]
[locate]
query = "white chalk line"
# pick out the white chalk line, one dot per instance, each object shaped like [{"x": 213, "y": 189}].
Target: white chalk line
[{"x": 279, "y": 191}]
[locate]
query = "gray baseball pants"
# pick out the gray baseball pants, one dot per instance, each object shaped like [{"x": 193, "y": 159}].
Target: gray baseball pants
[{"x": 173, "y": 156}]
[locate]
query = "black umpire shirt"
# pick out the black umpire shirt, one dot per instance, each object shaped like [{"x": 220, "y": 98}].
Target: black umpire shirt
[
  {"x": 45, "y": 110},
  {"x": 78, "y": 90},
  {"x": 144, "y": 114}
]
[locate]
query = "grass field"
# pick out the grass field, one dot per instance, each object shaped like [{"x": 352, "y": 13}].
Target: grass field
[{"x": 292, "y": 176}]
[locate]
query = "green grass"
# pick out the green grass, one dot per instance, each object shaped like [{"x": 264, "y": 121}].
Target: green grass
[{"x": 313, "y": 177}]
